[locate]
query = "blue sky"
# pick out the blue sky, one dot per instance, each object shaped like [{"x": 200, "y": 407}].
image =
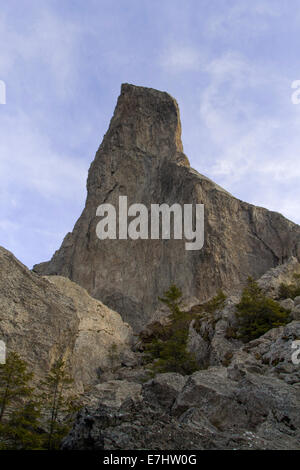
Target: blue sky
[{"x": 229, "y": 63}]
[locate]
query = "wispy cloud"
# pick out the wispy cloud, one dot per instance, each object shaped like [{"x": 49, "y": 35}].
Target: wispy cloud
[
  {"x": 252, "y": 145},
  {"x": 180, "y": 58},
  {"x": 242, "y": 16},
  {"x": 49, "y": 41},
  {"x": 28, "y": 161}
]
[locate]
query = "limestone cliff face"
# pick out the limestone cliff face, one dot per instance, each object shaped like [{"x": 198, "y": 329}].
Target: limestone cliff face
[
  {"x": 43, "y": 319},
  {"x": 142, "y": 157}
]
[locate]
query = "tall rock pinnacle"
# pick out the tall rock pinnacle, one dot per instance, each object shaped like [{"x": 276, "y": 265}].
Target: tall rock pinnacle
[
  {"x": 141, "y": 157},
  {"x": 146, "y": 121}
]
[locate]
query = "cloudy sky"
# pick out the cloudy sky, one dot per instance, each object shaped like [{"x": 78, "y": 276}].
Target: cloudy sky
[{"x": 229, "y": 63}]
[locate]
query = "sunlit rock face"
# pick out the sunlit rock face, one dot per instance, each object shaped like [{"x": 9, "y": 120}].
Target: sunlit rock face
[
  {"x": 46, "y": 319},
  {"x": 142, "y": 157}
]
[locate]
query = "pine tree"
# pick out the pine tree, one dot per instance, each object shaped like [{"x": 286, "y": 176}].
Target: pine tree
[
  {"x": 172, "y": 355},
  {"x": 113, "y": 357},
  {"x": 172, "y": 298},
  {"x": 257, "y": 313},
  {"x": 57, "y": 403},
  {"x": 19, "y": 409},
  {"x": 23, "y": 429},
  {"x": 14, "y": 382},
  {"x": 31, "y": 421}
]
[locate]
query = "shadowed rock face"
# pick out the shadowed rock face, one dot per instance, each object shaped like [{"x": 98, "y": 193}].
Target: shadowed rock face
[{"x": 141, "y": 157}]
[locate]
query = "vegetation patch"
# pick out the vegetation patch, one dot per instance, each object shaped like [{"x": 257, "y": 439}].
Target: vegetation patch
[
  {"x": 207, "y": 310},
  {"x": 290, "y": 291},
  {"x": 34, "y": 418},
  {"x": 166, "y": 349},
  {"x": 257, "y": 313}
]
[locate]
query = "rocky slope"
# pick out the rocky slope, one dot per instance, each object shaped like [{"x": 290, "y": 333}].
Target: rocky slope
[
  {"x": 246, "y": 397},
  {"x": 208, "y": 410},
  {"x": 142, "y": 157},
  {"x": 43, "y": 319}
]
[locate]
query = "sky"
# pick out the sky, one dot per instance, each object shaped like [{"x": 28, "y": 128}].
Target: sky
[{"x": 229, "y": 63}]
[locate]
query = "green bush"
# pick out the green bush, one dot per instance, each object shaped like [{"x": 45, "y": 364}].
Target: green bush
[
  {"x": 166, "y": 346},
  {"x": 257, "y": 313},
  {"x": 216, "y": 303},
  {"x": 290, "y": 291},
  {"x": 171, "y": 355}
]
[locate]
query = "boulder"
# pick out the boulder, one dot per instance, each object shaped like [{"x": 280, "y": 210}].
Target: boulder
[
  {"x": 273, "y": 278},
  {"x": 288, "y": 304},
  {"x": 297, "y": 301},
  {"x": 113, "y": 393},
  {"x": 164, "y": 388}
]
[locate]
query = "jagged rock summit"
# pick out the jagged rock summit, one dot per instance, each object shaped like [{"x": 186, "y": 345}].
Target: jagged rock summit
[{"x": 142, "y": 157}]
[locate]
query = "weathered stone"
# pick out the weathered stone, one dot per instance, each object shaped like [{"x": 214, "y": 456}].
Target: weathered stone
[
  {"x": 211, "y": 411},
  {"x": 272, "y": 353},
  {"x": 164, "y": 388},
  {"x": 43, "y": 319},
  {"x": 198, "y": 346},
  {"x": 211, "y": 392},
  {"x": 133, "y": 374},
  {"x": 284, "y": 273},
  {"x": 141, "y": 156},
  {"x": 139, "y": 425},
  {"x": 297, "y": 300},
  {"x": 296, "y": 313},
  {"x": 213, "y": 342},
  {"x": 113, "y": 393},
  {"x": 288, "y": 304}
]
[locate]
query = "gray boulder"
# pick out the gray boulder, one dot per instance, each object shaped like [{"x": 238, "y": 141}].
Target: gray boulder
[
  {"x": 288, "y": 304},
  {"x": 164, "y": 388},
  {"x": 297, "y": 300}
]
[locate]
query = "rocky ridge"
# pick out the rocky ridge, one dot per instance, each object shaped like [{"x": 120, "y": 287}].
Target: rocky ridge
[{"x": 247, "y": 396}]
